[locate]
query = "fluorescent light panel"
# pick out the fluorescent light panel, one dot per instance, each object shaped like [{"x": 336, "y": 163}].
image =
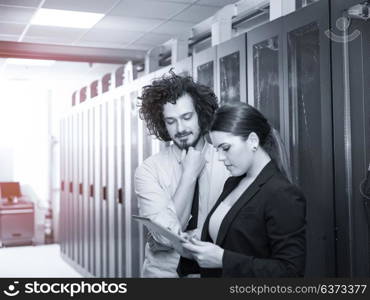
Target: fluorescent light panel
[
  {"x": 65, "y": 18},
  {"x": 30, "y": 62}
]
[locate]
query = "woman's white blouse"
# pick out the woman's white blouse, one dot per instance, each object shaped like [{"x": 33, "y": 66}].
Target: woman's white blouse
[{"x": 216, "y": 219}]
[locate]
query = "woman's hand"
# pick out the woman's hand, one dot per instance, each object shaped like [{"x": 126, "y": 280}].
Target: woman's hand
[
  {"x": 182, "y": 251},
  {"x": 179, "y": 246},
  {"x": 208, "y": 255}
]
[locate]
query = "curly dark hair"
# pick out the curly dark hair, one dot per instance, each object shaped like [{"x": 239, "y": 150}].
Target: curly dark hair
[{"x": 169, "y": 88}]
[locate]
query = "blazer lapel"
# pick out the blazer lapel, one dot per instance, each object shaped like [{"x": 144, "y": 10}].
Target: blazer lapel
[
  {"x": 267, "y": 172},
  {"x": 235, "y": 181}
]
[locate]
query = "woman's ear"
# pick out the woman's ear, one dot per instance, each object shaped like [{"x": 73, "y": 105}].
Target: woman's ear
[{"x": 253, "y": 141}]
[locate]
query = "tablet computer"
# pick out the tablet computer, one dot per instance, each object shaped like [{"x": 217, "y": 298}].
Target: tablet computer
[{"x": 153, "y": 226}]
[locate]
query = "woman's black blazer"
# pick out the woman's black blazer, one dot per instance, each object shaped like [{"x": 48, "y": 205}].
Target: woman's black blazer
[{"x": 263, "y": 234}]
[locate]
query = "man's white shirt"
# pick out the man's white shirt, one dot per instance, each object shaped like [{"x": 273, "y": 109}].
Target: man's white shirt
[{"x": 156, "y": 181}]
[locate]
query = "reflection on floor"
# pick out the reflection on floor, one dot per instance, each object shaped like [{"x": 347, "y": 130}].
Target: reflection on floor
[{"x": 34, "y": 261}]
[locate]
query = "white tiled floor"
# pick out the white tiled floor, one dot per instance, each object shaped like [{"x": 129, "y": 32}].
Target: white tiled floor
[{"x": 34, "y": 261}]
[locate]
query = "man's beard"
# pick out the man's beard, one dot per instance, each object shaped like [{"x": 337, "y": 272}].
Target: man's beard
[{"x": 186, "y": 146}]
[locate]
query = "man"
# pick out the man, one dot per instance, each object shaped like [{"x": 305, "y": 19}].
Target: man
[{"x": 179, "y": 185}]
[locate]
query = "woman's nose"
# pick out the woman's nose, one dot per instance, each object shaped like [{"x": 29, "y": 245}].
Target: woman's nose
[{"x": 221, "y": 156}]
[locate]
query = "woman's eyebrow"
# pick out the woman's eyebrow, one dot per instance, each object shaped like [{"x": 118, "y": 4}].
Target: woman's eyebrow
[{"x": 222, "y": 144}]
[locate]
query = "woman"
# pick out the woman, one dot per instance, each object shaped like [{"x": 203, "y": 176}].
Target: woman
[{"x": 257, "y": 226}]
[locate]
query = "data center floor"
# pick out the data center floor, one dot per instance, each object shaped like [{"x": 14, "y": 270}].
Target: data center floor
[{"x": 34, "y": 261}]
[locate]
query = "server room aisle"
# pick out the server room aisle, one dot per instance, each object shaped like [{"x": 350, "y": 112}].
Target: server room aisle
[{"x": 34, "y": 261}]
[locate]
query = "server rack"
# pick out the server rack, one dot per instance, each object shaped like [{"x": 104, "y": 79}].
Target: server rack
[
  {"x": 74, "y": 191},
  {"x": 111, "y": 185},
  {"x": 120, "y": 187},
  {"x": 265, "y": 73},
  {"x": 308, "y": 91},
  {"x": 104, "y": 181},
  {"x": 80, "y": 197},
  {"x": 289, "y": 71},
  {"x": 126, "y": 180},
  {"x": 90, "y": 192},
  {"x": 98, "y": 190},
  {"x": 69, "y": 188},
  {"x": 351, "y": 111},
  {"x": 204, "y": 68},
  {"x": 83, "y": 189},
  {"x": 136, "y": 229},
  {"x": 62, "y": 221},
  {"x": 231, "y": 66}
]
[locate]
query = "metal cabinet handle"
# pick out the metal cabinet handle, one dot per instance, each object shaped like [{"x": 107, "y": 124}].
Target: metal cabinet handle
[
  {"x": 120, "y": 196},
  {"x": 104, "y": 193},
  {"x": 91, "y": 190}
]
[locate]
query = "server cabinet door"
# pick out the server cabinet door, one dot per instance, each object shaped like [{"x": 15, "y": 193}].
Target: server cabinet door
[
  {"x": 74, "y": 225},
  {"x": 90, "y": 191},
  {"x": 144, "y": 151},
  {"x": 104, "y": 186},
  {"x": 97, "y": 119},
  {"x": 204, "y": 68},
  {"x": 127, "y": 165},
  {"x": 69, "y": 187},
  {"x": 62, "y": 178},
  {"x": 145, "y": 143},
  {"x": 111, "y": 184},
  {"x": 76, "y": 181},
  {"x": 265, "y": 72},
  {"x": 232, "y": 70},
  {"x": 85, "y": 191},
  {"x": 351, "y": 107},
  {"x": 120, "y": 175},
  {"x": 80, "y": 203},
  {"x": 63, "y": 170},
  {"x": 308, "y": 86},
  {"x": 136, "y": 229}
]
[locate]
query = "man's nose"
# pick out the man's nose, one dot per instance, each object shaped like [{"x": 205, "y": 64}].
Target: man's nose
[{"x": 180, "y": 126}]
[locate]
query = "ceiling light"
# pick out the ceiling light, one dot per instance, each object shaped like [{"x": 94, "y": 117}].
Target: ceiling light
[
  {"x": 65, "y": 18},
  {"x": 30, "y": 62}
]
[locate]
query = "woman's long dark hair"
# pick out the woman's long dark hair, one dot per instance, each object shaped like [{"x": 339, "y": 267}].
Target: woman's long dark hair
[{"x": 241, "y": 119}]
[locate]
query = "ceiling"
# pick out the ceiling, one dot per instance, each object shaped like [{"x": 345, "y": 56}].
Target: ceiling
[{"x": 127, "y": 24}]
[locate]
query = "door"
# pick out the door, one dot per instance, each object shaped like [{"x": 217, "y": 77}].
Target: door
[
  {"x": 232, "y": 70},
  {"x": 112, "y": 228},
  {"x": 308, "y": 111},
  {"x": 104, "y": 188},
  {"x": 350, "y": 37},
  {"x": 290, "y": 83},
  {"x": 98, "y": 195},
  {"x": 265, "y": 76},
  {"x": 90, "y": 186},
  {"x": 63, "y": 178},
  {"x": 120, "y": 175},
  {"x": 204, "y": 68},
  {"x": 136, "y": 228}
]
